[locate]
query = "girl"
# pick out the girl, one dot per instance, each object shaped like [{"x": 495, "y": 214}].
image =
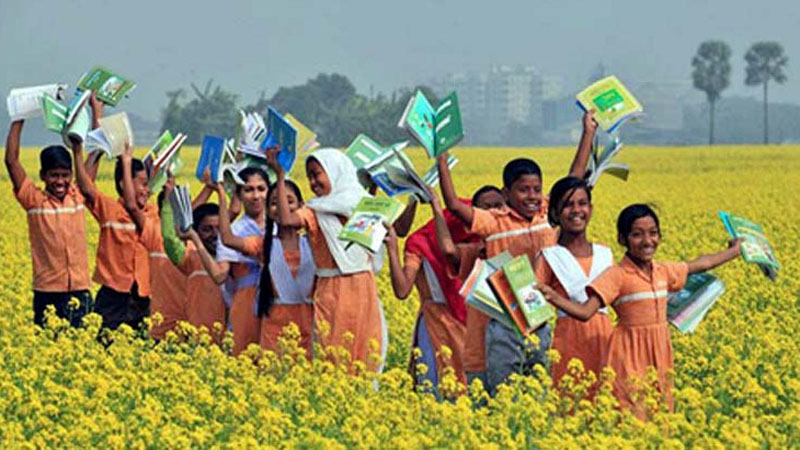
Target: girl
[
  {"x": 568, "y": 268},
  {"x": 287, "y": 274},
  {"x": 637, "y": 288},
  {"x": 345, "y": 294}
]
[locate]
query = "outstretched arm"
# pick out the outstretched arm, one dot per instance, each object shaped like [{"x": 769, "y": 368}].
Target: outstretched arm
[
  {"x": 286, "y": 217},
  {"x": 580, "y": 311},
  {"x": 85, "y": 181},
  {"x": 708, "y": 262},
  {"x": 97, "y": 110},
  {"x": 205, "y": 193},
  {"x": 578, "y": 167},
  {"x": 443, "y": 237},
  {"x": 225, "y": 233},
  {"x": 15, "y": 170},
  {"x": 403, "y": 223},
  {"x": 218, "y": 271},
  {"x": 128, "y": 191},
  {"x": 402, "y": 277},
  {"x": 462, "y": 211}
]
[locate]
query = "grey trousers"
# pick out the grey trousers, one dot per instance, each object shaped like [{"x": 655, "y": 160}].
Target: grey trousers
[{"x": 506, "y": 353}]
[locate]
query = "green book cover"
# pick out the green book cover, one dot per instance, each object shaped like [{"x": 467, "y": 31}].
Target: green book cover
[
  {"x": 522, "y": 281},
  {"x": 72, "y": 122},
  {"x": 366, "y": 225},
  {"x": 110, "y": 87},
  {"x": 53, "y": 113},
  {"x": 755, "y": 248},
  {"x": 436, "y": 129},
  {"x": 687, "y": 307},
  {"x": 612, "y": 102},
  {"x": 448, "y": 131}
]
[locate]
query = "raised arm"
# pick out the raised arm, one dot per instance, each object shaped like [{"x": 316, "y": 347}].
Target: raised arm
[
  {"x": 578, "y": 167},
  {"x": 403, "y": 223},
  {"x": 97, "y": 110},
  {"x": 128, "y": 191},
  {"x": 218, "y": 271},
  {"x": 580, "y": 311},
  {"x": 402, "y": 277},
  {"x": 708, "y": 262},
  {"x": 15, "y": 170},
  {"x": 443, "y": 236},
  {"x": 85, "y": 181},
  {"x": 462, "y": 211},
  {"x": 225, "y": 233},
  {"x": 173, "y": 245},
  {"x": 205, "y": 193},
  {"x": 285, "y": 216}
]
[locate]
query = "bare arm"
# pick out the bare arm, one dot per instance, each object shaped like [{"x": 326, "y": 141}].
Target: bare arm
[
  {"x": 236, "y": 207},
  {"x": 708, "y": 262},
  {"x": 225, "y": 233},
  {"x": 580, "y": 311},
  {"x": 286, "y": 217},
  {"x": 128, "y": 191},
  {"x": 85, "y": 181},
  {"x": 402, "y": 277},
  {"x": 93, "y": 164},
  {"x": 218, "y": 271},
  {"x": 403, "y": 223},
  {"x": 97, "y": 110},
  {"x": 205, "y": 193},
  {"x": 15, "y": 170},
  {"x": 578, "y": 167},
  {"x": 462, "y": 211},
  {"x": 443, "y": 236}
]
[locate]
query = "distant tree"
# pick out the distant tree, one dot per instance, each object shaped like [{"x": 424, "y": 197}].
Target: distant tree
[
  {"x": 711, "y": 74},
  {"x": 765, "y": 63},
  {"x": 212, "y": 111}
]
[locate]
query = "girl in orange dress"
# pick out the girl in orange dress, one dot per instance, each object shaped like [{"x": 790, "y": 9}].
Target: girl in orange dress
[
  {"x": 287, "y": 273},
  {"x": 637, "y": 289},
  {"x": 347, "y": 311},
  {"x": 568, "y": 268}
]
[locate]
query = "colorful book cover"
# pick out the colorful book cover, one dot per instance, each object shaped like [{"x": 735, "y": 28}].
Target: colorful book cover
[
  {"x": 110, "y": 87},
  {"x": 687, "y": 307},
  {"x": 505, "y": 296},
  {"x": 448, "y": 131},
  {"x": 436, "y": 129},
  {"x": 477, "y": 292},
  {"x": 522, "y": 280},
  {"x": 366, "y": 226},
  {"x": 306, "y": 138},
  {"x": 210, "y": 157},
  {"x": 612, "y": 102},
  {"x": 755, "y": 248},
  {"x": 281, "y": 133},
  {"x": 72, "y": 122}
]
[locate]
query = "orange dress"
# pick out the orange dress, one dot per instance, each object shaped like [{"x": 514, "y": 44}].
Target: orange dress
[
  {"x": 347, "y": 304},
  {"x": 641, "y": 338},
  {"x": 204, "y": 303}
]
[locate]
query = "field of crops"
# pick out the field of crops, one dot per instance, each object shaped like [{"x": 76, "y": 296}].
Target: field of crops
[{"x": 737, "y": 378}]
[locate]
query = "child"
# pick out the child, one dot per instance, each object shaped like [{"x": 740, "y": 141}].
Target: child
[
  {"x": 345, "y": 294},
  {"x": 637, "y": 289},
  {"x": 287, "y": 274},
  {"x": 56, "y": 229},
  {"x": 520, "y": 228},
  {"x": 568, "y": 268}
]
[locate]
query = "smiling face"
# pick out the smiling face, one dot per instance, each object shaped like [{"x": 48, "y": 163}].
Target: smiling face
[
  {"x": 294, "y": 203},
  {"x": 575, "y": 212},
  {"x": 140, "y": 188},
  {"x": 318, "y": 180},
  {"x": 643, "y": 239},
  {"x": 208, "y": 229},
  {"x": 56, "y": 182},
  {"x": 253, "y": 194},
  {"x": 525, "y": 195}
]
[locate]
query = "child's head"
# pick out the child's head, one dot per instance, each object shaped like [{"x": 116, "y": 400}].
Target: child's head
[
  {"x": 639, "y": 231},
  {"x": 488, "y": 197},
  {"x": 522, "y": 187},
  {"x": 318, "y": 179},
  {"x": 139, "y": 175},
  {"x": 56, "y": 170},
  {"x": 293, "y": 196},
  {"x": 253, "y": 193},
  {"x": 205, "y": 221},
  {"x": 570, "y": 205}
]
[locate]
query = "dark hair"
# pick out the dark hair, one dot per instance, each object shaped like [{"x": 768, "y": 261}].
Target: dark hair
[
  {"x": 160, "y": 200},
  {"x": 632, "y": 213},
  {"x": 484, "y": 189},
  {"x": 203, "y": 211},
  {"x": 561, "y": 192},
  {"x": 136, "y": 167},
  {"x": 248, "y": 172},
  {"x": 266, "y": 296},
  {"x": 54, "y": 157},
  {"x": 518, "y": 168}
]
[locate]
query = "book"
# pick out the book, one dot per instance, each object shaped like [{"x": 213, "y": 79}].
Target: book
[
  {"x": 687, "y": 307},
  {"x": 505, "y": 295},
  {"x": 181, "y": 202},
  {"x": 406, "y": 177},
  {"x": 600, "y": 162},
  {"x": 367, "y": 225},
  {"x": 306, "y": 139},
  {"x": 250, "y": 132},
  {"x": 437, "y": 129},
  {"x": 281, "y": 133},
  {"x": 369, "y": 157},
  {"x": 110, "y": 87},
  {"x": 110, "y": 138},
  {"x": 163, "y": 158},
  {"x": 612, "y": 102},
  {"x": 210, "y": 157},
  {"x": 755, "y": 248},
  {"x": 479, "y": 295},
  {"x": 72, "y": 122},
  {"x": 26, "y": 103},
  {"x": 522, "y": 281},
  {"x": 431, "y": 177}
]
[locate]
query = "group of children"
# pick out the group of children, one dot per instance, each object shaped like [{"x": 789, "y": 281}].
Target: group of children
[{"x": 281, "y": 262}]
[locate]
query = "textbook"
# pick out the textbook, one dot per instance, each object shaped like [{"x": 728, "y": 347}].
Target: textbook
[
  {"x": 687, "y": 307},
  {"x": 431, "y": 177},
  {"x": 163, "y": 158},
  {"x": 210, "y": 157},
  {"x": 181, "y": 202},
  {"x": 110, "y": 87},
  {"x": 110, "y": 138},
  {"x": 600, "y": 161},
  {"x": 250, "y": 132},
  {"x": 280, "y": 133},
  {"x": 371, "y": 158},
  {"x": 26, "y": 103},
  {"x": 437, "y": 129},
  {"x": 72, "y": 122},
  {"x": 367, "y": 225},
  {"x": 306, "y": 139},
  {"x": 755, "y": 248},
  {"x": 522, "y": 280},
  {"x": 403, "y": 178},
  {"x": 612, "y": 102},
  {"x": 479, "y": 295}
]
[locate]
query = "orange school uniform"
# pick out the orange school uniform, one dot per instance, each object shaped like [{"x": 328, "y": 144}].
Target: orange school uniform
[
  {"x": 641, "y": 338},
  {"x": 168, "y": 285},
  {"x": 204, "y": 305},
  {"x": 57, "y": 233}
]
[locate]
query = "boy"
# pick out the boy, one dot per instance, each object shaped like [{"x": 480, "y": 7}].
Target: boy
[{"x": 494, "y": 351}]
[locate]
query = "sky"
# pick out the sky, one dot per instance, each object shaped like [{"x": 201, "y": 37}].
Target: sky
[{"x": 250, "y": 47}]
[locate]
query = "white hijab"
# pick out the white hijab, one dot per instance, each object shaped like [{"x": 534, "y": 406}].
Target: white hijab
[{"x": 346, "y": 191}]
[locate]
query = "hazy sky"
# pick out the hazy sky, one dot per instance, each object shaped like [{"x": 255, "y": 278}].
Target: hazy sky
[{"x": 254, "y": 46}]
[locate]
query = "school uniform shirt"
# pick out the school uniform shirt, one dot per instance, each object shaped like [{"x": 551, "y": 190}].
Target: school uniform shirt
[
  {"x": 167, "y": 282},
  {"x": 57, "y": 233},
  {"x": 204, "y": 304},
  {"x": 122, "y": 257}
]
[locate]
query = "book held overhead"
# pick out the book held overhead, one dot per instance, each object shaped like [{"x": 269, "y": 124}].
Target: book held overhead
[
  {"x": 110, "y": 87},
  {"x": 612, "y": 102}
]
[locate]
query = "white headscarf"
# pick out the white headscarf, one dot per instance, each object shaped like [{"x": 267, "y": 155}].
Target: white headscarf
[{"x": 346, "y": 191}]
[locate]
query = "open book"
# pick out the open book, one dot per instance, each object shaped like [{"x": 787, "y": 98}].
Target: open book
[
  {"x": 110, "y": 87},
  {"x": 515, "y": 288},
  {"x": 72, "y": 122},
  {"x": 612, "y": 102},
  {"x": 181, "y": 202},
  {"x": 479, "y": 295},
  {"x": 437, "y": 129},
  {"x": 370, "y": 158},
  {"x": 26, "y": 103},
  {"x": 250, "y": 132},
  {"x": 306, "y": 138},
  {"x": 110, "y": 138},
  {"x": 366, "y": 226},
  {"x": 756, "y": 248},
  {"x": 600, "y": 161},
  {"x": 687, "y": 307},
  {"x": 163, "y": 159}
]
